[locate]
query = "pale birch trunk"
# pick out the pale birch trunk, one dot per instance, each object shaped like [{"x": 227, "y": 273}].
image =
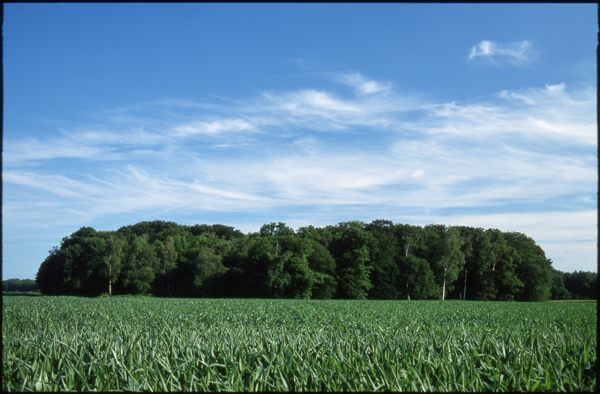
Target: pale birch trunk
[{"x": 444, "y": 286}]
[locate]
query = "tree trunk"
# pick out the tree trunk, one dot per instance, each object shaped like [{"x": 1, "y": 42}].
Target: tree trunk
[
  {"x": 109, "y": 275},
  {"x": 109, "y": 280},
  {"x": 444, "y": 286}
]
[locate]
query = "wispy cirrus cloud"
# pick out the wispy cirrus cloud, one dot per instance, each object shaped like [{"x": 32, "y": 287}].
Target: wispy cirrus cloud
[
  {"x": 361, "y": 84},
  {"x": 214, "y": 127},
  {"x": 547, "y": 114},
  {"x": 517, "y": 53},
  {"x": 311, "y": 102},
  {"x": 319, "y": 156}
]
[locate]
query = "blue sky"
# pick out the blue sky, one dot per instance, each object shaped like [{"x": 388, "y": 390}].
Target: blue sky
[{"x": 243, "y": 114}]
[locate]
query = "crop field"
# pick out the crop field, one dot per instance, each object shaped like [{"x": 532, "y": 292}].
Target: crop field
[{"x": 156, "y": 344}]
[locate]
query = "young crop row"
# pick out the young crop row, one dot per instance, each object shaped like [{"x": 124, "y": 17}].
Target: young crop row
[{"x": 144, "y": 343}]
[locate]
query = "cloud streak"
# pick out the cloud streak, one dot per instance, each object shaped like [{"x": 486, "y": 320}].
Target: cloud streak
[
  {"x": 214, "y": 127},
  {"x": 518, "y": 53},
  {"x": 363, "y": 85},
  {"x": 522, "y": 159}
]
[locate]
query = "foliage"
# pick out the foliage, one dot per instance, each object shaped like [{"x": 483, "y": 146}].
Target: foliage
[
  {"x": 20, "y": 285},
  {"x": 582, "y": 285},
  {"x": 419, "y": 280},
  {"x": 351, "y": 260},
  {"x": 559, "y": 290},
  {"x": 533, "y": 268},
  {"x": 349, "y": 247},
  {"x": 449, "y": 259},
  {"x": 384, "y": 252},
  {"x": 162, "y": 344}
]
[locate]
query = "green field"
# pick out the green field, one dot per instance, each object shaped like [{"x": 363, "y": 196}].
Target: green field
[{"x": 145, "y": 343}]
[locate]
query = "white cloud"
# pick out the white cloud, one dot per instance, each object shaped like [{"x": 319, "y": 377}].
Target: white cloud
[
  {"x": 484, "y": 48},
  {"x": 24, "y": 150},
  {"x": 214, "y": 127},
  {"x": 84, "y": 144},
  {"x": 311, "y": 102},
  {"x": 363, "y": 85},
  {"x": 527, "y": 148},
  {"x": 552, "y": 115},
  {"x": 54, "y": 184},
  {"x": 556, "y": 88},
  {"x": 418, "y": 173},
  {"x": 319, "y": 110},
  {"x": 323, "y": 100},
  {"x": 505, "y": 94},
  {"x": 516, "y": 53},
  {"x": 115, "y": 192}
]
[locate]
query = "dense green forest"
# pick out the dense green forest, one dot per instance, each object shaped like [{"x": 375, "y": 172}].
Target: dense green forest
[
  {"x": 351, "y": 260},
  {"x": 19, "y": 285}
]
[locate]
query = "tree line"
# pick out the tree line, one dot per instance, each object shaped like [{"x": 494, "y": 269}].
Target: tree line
[
  {"x": 350, "y": 260},
  {"x": 19, "y": 285}
]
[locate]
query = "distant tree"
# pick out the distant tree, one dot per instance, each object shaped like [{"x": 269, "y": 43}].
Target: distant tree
[
  {"x": 226, "y": 232},
  {"x": 51, "y": 275},
  {"x": 419, "y": 279},
  {"x": 277, "y": 278},
  {"x": 349, "y": 260},
  {"x": 200, "y": 272},
  {"x": 448, "y": 260},
  {"x": 558, "y": 291},
  {"x": 509, "y": 285},
  {"x": 349, "y": 248},
  {"x": 487, "y": 249},
  {"x": 19, "y": 285},
  {"x": 152, "y": 230},
  {"x": 276, "y": 230},
  {"x": 533, "y": 268},
  {"x": 285, "y": 256},
  {"x": 383, "y": 252},
  {"x": 256, "y": 271},
  {"x": 235, "y": 281},
  {"x": 113, "y": 258},
  {"x": 323, "y": 267},
  {"x": 310, "y": 232},
  {"x": 140, "y": 266},
  {"x": 482, "y": 250},
  {"x": 302, "y": 277},
  {"x": 411, "y": 241},
  {"x": 582, "y": 284},
  {"x": 467, "y": 236},
  {"x": 84, "y": 269},
  {"x": 167, "y": 262}
]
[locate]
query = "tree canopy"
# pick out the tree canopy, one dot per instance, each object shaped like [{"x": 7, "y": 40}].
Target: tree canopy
[
  {"x": 350, "y": 260},
  {"x": 19, "y": 285}
]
